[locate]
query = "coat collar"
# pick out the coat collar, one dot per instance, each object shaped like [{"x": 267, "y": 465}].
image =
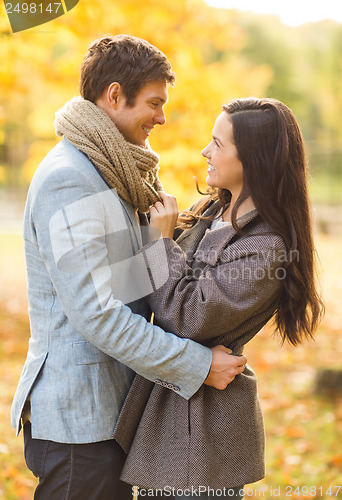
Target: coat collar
[{"x": 209, "y": 248}]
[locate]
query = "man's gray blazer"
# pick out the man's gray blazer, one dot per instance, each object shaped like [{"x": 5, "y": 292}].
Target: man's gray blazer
[{"x": 80, "y": 246}]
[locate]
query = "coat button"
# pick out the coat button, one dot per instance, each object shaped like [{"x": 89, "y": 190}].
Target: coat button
[{"x": 176, "y": 388}]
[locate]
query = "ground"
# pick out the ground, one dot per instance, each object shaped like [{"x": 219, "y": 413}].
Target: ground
[{"x": 303, "y": 431}]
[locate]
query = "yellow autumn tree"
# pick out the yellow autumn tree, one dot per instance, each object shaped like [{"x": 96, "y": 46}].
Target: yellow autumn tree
[{"x": 203, "y": 44}]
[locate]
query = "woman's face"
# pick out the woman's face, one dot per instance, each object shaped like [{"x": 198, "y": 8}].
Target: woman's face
[{"x": 225, "y": 170}]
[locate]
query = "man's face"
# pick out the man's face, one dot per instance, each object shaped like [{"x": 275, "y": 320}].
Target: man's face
[{"x": 136, "y": 122}]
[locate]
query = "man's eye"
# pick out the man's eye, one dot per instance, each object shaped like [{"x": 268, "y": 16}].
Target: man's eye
[{"x": 155, "y": 104}]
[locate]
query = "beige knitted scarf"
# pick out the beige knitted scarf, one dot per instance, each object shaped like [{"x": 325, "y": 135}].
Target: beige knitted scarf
[{"x": 132, "y": 170}]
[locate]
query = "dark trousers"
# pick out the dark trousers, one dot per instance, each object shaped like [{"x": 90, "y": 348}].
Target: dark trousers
[{"x": 76, "y": 471}]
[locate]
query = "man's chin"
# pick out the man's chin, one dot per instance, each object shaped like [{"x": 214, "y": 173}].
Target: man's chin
[{"x": 141, "y": 143}]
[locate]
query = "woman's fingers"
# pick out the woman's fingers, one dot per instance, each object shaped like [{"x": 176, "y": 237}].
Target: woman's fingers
[
  {"x": 158, "y": 206},
  {"x": 169, "y": 201},
  {"x": 164, "y": 214}
]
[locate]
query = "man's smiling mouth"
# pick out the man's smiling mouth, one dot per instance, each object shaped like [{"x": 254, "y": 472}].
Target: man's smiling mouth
[{"x": 147, "y": 130}]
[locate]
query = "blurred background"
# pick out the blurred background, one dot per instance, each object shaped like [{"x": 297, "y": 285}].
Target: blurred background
[{"x": 218, "y": 54}]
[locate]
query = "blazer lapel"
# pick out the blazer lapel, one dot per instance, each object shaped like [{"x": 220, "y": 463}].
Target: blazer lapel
[{"x": 134, "y": 221}]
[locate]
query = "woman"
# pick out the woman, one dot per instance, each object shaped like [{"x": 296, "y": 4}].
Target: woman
[{"x": 246, "y": 255}]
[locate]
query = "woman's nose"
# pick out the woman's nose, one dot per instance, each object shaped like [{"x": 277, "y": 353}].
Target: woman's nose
[{"x": 205, "y": 151}]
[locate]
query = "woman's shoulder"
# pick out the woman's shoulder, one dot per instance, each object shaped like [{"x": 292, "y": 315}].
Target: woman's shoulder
[{"x": 259, "y": 235}]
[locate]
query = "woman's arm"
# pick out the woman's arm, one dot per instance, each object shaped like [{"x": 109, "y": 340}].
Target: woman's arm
[
  {"x": 209, "y": 301},
  {"x": 205, "y": 303}
]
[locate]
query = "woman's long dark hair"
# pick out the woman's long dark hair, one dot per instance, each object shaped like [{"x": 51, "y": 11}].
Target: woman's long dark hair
[{"x": 270, "y": 147}]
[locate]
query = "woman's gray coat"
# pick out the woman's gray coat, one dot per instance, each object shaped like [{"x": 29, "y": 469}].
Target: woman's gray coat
[{"x": 222, "y": 289}]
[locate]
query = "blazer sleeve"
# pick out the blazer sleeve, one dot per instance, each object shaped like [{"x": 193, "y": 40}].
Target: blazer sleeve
[
  {"x": 207, "y": 302},
  {"x": 69, "y": 231}
]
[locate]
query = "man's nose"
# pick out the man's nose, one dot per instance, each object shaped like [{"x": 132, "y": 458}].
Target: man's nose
[{"x": 160, "y": 117}]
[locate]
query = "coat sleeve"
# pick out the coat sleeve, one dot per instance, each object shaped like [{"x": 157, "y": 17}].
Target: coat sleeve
[
  {"x": 209, "y": 301},
  {"x": 68, "y": 223}
]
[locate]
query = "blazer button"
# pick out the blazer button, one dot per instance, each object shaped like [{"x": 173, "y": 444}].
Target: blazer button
[
  {"x": 176, "y": 388},
  {"x": 164, "y": 384},
  {"x": 170, "y": 386},
  {"x": 158, "y": 381}
]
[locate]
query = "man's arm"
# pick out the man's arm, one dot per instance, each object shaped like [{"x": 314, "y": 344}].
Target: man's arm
[{"x": 83, "y": 287}]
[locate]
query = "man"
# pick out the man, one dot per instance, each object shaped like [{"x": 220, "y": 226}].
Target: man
[{"x": 82, "y": 237}]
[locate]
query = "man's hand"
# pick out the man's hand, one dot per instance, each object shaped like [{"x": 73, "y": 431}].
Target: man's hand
[{"x": 224, "y": 367}]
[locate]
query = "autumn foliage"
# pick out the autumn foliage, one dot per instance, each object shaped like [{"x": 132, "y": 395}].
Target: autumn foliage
[{"x": 217, "y": 55}]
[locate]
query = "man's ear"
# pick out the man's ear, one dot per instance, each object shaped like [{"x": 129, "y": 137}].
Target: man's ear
[{"x": 114, "y": 94}]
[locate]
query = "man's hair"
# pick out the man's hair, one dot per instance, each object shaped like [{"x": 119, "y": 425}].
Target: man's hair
[{"x": 128, "y": 60}]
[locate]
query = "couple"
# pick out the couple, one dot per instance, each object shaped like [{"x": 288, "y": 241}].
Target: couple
[{"x": 107, "y": 399}]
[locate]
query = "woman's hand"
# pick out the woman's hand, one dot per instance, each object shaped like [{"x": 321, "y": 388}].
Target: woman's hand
[{"x": 163, "y": 215}]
